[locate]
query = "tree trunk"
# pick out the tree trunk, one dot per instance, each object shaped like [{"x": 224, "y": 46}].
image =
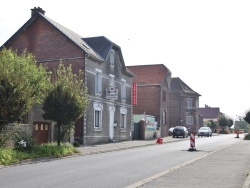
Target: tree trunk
[{"x": 58, "y": 133}]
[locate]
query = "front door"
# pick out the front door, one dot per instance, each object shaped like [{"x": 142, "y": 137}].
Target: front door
[
  {"x": 111, "y": 122},
  {"x": 41, "y": 132}
]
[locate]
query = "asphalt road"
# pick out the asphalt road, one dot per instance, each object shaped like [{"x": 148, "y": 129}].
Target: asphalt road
[{"x": 151, "y": 166}]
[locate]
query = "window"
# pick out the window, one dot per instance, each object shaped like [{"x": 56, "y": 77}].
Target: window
[
  {"x": 189, "y": 103},
  {"x": 112, "y": 57},
  {"x": 123, "y": 117},
  {"x": 97, "y": 119},
  {"x": 123, "y": 121},
  {"x": 163, "y": 117},
  {"x": 189, "y": 119},
  {"x": 123, "y": 89},
  {"x": 164, "y": 96},
  {"x": 98, "y": 107},
  {"x": 197, "y": 103},
  {"x": 98, "y": 81}
]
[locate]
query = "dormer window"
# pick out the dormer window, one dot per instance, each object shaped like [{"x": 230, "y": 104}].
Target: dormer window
[{"x": 112, "y": 57}]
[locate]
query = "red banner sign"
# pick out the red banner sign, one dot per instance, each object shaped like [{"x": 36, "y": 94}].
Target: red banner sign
[{"x": 134, "y": 93}]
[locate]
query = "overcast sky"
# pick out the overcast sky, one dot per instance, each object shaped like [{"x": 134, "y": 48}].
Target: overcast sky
[{"x": 204, "y": 43}]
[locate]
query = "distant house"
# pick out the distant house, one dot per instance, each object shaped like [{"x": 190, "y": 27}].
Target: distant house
[
  {"x": 153, "y": 83},
  {"x": 108, "y": 116},
  {"x": 209, "y": 113},
  {"x": 183, "y": 105}
]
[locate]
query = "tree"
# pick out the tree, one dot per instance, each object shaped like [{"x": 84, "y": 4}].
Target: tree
[
  {"x": 230, "y": 122},
  {"x": 66, "y": 99},
  {"x": 247, "y": 117},
  {"x": 211, "y": 124},
  {"x": 22, "y": 84},
  {"x": 223, "y": 121}
]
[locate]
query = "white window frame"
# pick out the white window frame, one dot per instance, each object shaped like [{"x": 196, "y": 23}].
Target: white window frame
[
  {"x": 98, "y": 81},
  {"x": 123, "y": 89},
  {"x": 98, "y": 107},
  {"x": 123, "y": 113},
  {"x": 189, "y": 103},
  {"x": 189, "y": 119}
]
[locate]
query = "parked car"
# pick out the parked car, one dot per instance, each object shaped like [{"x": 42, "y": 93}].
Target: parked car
[
  {"x": 171, "y": 131},
  {"x": 205, "y": 131},
  {"x": 180, "y": 131}
]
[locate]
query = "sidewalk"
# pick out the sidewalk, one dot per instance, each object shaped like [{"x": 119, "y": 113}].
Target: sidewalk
[{"x": 102, "y": 148}]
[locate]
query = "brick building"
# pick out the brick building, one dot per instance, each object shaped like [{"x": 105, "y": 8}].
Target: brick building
[
  {"x": 153, "y": 83},
  {"x": 108, "y": 116},
  {"x": 183, "y": 105}
]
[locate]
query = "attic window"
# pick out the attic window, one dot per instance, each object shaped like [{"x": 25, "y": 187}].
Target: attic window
[{"x": 112, "y": 57}]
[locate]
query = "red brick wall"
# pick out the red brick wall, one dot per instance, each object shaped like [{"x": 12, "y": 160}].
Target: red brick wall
[
  {"x": 148, "y": 101},
  {"x": 45, "y": 42}
]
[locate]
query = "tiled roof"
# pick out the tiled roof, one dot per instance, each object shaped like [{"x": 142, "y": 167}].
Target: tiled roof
[
  {"x": 74, "y": 37},
  {"x": 177, "y": 86},
  {"x": 209, "y": 112},
  {"x": 149, "y": 74}
]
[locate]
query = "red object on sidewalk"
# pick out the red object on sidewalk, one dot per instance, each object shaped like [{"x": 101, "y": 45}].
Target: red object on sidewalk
[
  {"x": 192, "y": 141},
  {"x": 159, "y": 141},
  {"x": 237, "y": 134}
]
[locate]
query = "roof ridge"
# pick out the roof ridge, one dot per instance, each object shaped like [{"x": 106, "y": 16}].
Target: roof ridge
[{"x": 75, "y": 37}]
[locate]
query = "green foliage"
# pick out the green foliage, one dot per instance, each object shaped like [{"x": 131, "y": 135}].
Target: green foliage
[
  {"x": 224, "y": 121},
  {"x": 230, "y": 122},
  {"x": 76, "y": 144},
  {"x": 247, "y": 137},
  {"x": 10, "y": 156},
  {"x": 68, "y": 131},
  {"x": 6, "y": 134},
  {"x": 247, "y": 117},
  {"x": 22, "y": 84},
  {"x": 24, "y": 141},
  {"x": 67, "y": 98},
  {"x": 211, "y": 124}
]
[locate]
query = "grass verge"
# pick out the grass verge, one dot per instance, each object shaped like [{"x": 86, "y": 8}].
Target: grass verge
[{"x": 10, "y": 156}]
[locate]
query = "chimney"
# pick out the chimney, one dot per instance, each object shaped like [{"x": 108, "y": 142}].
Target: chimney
[{"x": 38, "y": 9}]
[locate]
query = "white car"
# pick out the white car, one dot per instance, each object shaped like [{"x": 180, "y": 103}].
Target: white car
[{"x": 205, "y": 131}]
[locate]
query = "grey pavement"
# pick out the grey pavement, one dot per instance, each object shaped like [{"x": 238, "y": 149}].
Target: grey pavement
[
  {"x": 210, "y": 171},
  {"x": 102, "y": 148}
]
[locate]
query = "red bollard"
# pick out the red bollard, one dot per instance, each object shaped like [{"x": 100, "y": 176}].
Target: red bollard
[
  {"x": 159, "y": 141},
  {"x": 192, "y": 142},
  {"x": 237, "y": 134}
]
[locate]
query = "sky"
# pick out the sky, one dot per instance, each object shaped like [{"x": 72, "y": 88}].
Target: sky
[{"x": 204, "y": 43}]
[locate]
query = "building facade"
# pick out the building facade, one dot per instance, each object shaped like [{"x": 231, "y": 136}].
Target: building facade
[
  {"x": 183, "y": 106},
  {"x": 153, "y": 83},
  {"x": 109, "y": 82}
]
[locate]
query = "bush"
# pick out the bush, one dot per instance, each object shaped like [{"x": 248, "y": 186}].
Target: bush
[
  {"x": 76, "y": 144},
  {"x": 247, "y": 137},
  {"x": 23, "y": 141},
  {"x": 225, "y": 131}
]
